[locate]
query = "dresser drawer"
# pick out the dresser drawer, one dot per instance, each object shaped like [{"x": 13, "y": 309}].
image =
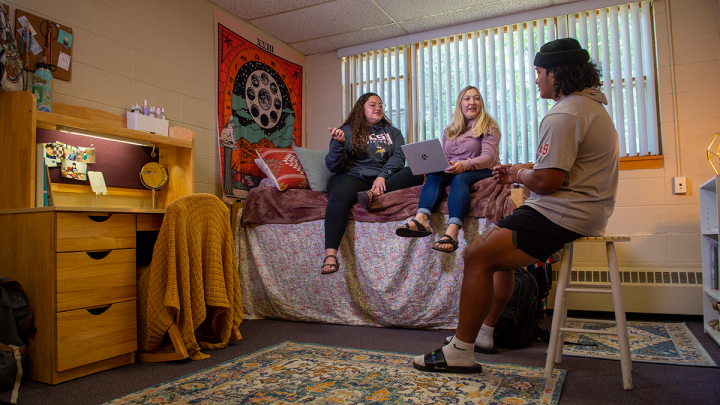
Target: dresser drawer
[
  {"x": 90, "y": 279},
  {"x": 84, "y": 338},
  {"x": 79, "y": 231}
]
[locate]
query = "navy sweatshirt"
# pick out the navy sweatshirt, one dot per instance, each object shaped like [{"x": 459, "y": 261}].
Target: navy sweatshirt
[{"x": 382, "y": 157}]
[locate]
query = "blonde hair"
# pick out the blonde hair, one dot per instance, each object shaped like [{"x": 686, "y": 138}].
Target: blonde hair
[{"x": 483, "y": 122}]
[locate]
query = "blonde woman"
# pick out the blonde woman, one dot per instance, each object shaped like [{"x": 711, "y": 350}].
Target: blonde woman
[{"x": 471, "y": 145}]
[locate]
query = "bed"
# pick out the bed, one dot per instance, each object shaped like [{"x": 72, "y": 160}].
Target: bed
[{"x": 383, "y": 281}]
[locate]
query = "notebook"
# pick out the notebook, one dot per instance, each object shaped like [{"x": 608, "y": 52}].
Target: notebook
[{"x": 426, "y": 157}]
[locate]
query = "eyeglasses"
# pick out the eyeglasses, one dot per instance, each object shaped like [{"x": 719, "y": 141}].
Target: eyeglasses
[{"x": 374, "y": 106}]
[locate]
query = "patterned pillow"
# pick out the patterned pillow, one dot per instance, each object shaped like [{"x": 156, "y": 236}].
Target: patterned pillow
[{"x": 284, "y": 167}]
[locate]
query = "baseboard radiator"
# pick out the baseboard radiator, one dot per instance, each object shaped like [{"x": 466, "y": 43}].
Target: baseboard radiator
[{"x": 645, "y": 290}]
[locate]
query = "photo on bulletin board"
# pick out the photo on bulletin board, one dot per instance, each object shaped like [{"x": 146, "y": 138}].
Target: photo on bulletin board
[
  {"x": 54, "y": 153},
  {"x": 260, "y": 86},
  {"x": 74, "y": 170},
  {"x": 45, "y": 43}
]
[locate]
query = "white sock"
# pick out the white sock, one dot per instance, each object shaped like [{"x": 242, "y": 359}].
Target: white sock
[
  {"x": 485, "y": 337},
  {"x": 456, "y": 353}
]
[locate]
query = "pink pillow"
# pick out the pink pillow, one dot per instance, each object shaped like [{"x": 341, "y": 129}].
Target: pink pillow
[{"x": 284, "y": 168}]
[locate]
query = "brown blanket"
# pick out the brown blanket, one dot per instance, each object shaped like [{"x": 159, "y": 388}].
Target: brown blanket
[{"x": 268, "y": 205}]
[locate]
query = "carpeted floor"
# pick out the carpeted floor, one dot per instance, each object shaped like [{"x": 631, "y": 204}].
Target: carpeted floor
[
  {"x": 308, "y": 373},
  {"x": 588, "y": 381}
]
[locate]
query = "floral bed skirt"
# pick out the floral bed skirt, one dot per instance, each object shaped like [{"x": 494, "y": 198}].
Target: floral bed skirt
[{"x": 384, "y": 280}]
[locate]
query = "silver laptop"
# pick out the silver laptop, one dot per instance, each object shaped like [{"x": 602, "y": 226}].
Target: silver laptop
[{"x": 426, "y": 157}]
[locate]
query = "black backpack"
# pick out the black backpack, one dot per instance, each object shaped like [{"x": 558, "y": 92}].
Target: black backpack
[
  {"x": 518, "y": 324},
  {"x": 16, "y": 325}
]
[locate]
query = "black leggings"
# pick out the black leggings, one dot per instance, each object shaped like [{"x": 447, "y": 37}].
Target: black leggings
[{"x": 342, "y": 194}]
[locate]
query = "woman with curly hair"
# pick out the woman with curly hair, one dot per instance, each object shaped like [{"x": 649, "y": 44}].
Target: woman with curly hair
[
  {"x": 471, "y": 146},
  {"x": 366, "y": 161}
]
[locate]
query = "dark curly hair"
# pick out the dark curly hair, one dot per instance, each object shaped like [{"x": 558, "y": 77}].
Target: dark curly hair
[
  {"x": 574, "y": 77},
  {"x": 359, "y": 124}
]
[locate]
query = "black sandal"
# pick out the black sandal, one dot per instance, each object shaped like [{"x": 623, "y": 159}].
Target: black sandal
[
  {"x": 435, "y": 362},
  {"x": 446, "y": 240},
  {"x": 406, "y": 232},
  {"x": 333, "y": 266}
]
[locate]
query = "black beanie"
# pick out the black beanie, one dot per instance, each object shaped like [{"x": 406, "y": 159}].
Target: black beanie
[{"x": 563, "y": 51}]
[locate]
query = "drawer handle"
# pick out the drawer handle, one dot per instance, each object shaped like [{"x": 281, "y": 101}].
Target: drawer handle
[
  {"x": 99, "y": 218},
  {"x": 98, "y": 255},
  {"x": 98, "y": 310}
]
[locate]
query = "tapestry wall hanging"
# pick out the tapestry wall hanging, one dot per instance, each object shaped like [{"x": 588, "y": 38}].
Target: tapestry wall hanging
[{"x": 259, "y": 102}]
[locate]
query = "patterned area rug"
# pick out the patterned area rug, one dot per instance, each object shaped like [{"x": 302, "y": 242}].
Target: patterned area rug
[
  {"x": 291, "y": 373},
  {"x": 666, "y": 343}
]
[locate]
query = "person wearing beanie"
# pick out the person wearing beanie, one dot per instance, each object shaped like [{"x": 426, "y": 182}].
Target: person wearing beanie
[{"x": 572, "y": 186}]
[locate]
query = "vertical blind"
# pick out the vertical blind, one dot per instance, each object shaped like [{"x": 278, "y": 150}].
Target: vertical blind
[{"x": 419, "y": 82}]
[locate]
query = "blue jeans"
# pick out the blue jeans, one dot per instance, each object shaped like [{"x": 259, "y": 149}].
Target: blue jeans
[{"x": 459, "y": 197}]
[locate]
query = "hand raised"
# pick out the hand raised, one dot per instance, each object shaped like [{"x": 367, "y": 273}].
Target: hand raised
[{"x": 337, "y": 134}]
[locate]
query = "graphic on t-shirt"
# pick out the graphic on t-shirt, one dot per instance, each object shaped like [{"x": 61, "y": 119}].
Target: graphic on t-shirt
[
  {"x": 543, "y": 150},
  {"x": 381, "y": 141}
]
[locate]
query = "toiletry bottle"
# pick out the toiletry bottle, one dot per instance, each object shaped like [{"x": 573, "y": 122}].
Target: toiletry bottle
[
  {"x": 152, "y": 112},
  {"x": 145, "y": 109},
  {"x": 42, "y": 87},
  {"x": 163, "y": 113},
  {"x": 137, "y": 108},
  {"x": 157, "y": 113}
]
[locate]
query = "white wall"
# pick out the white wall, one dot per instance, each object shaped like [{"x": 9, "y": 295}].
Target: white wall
[
  {"x": 127, "y": 51},
  {"x": 664, "y": 227}
]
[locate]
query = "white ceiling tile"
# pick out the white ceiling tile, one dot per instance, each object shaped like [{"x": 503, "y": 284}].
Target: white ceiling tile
[
  {"x": 249, "y": 9},
  {"x": 337, "y": 17},
  {"x": 402, "y": 10},
  {"x": 318, "y": 26},
  {"x": 336, "y": 42},
  {"x": 478, "y": 13}
]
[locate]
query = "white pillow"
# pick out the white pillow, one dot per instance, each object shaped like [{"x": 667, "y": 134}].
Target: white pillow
[{"x": 266, "y": 170}]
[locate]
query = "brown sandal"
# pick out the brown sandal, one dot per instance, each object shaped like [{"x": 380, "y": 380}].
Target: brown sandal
[
  {"x": 333, "y": 266},
  {"x": 365, "y": 198}
]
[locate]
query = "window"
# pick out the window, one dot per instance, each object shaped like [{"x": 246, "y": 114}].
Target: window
[{"x": 419, "y": 81}]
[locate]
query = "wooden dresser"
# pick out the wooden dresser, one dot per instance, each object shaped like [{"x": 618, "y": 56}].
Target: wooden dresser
[{"x": 78, "y": 267}]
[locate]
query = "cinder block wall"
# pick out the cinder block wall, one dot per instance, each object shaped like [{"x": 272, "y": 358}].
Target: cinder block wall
[
  {"x": 664, "y": 227},
  {"x": 128, "y": 51}
]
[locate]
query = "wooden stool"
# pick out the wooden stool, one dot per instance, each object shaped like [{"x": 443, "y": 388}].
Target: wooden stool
[{"x": 557, "y": 333}]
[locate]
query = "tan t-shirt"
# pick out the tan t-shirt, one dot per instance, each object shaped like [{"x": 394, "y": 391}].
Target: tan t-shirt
[{"x": 578, "y": 136}]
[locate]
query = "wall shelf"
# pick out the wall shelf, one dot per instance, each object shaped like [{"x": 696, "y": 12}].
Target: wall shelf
[
  {"x": 54, "y": 121},
  {"x": 19, "y": 121}
]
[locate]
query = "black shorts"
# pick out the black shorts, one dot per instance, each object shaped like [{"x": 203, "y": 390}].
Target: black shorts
[{"x": 536, "y": 235}]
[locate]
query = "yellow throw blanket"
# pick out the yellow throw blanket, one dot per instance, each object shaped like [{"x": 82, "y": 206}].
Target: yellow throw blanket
[{"x": 193, "y": 271}]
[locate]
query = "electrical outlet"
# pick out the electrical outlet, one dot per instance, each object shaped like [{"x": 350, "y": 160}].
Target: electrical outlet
[{"x": 679, "y": 185}]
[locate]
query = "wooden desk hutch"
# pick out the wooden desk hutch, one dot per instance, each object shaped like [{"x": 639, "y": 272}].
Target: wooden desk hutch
[{"x": 77, "y": 264}]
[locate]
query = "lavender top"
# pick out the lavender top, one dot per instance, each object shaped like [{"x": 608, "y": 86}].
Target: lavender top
[{"x": 474, "y": 153}]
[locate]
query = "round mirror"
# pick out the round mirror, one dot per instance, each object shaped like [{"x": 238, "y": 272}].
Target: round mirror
[{"x": 153, "y": 176}]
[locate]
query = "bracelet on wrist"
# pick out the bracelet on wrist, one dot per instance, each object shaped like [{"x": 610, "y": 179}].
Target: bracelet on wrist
[{"x": 518, "y": 175}]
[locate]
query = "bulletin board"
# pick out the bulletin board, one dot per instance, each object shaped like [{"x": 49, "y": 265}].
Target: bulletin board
[
  {"x": 120, "y": 163},
  {"x": 60, "y": 52}
]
